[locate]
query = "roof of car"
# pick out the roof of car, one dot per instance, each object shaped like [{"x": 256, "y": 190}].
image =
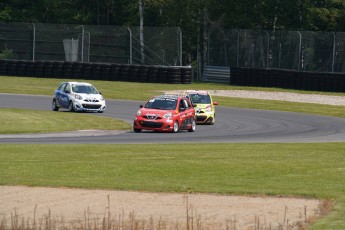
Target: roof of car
[
  {"x": 197, "y": 92},
  {"x": 78, "y": 83},
  {"x": 169, "y": 96}
]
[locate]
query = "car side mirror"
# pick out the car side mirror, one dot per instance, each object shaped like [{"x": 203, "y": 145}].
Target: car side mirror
[
  {"x": 215, "y": 103},
  {"x": 141, "y": 106},
  {"x": 67, "y": 91}
]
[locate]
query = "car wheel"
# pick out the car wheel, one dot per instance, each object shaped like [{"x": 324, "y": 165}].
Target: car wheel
[
  {"x": 175, "y": 128},
  {"x": 71, "y": 107},
  {"x": 192, "y": 128},
  {"x": 54, "y": 106},
  {"x": 137, "y": 130},
  {"x": 213, "y": 120}
]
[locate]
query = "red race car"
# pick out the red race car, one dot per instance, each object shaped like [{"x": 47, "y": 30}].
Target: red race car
[{"x": 166, "y": 113}]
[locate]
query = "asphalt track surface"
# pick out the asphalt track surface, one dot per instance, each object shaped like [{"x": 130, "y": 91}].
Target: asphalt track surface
[{"x": 232, "y": 126}]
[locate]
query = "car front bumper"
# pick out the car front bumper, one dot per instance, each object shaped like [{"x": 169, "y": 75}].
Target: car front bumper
[
  {"x": 203, "y": 117},
  {"x": 87, "y": 106},
  {"x": 164, "y": 125}
]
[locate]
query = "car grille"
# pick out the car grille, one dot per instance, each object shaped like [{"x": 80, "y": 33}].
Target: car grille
[
  {"x": 200, "y": 118},
  {"x": 152, "y": 117},
  {"x": 150, "y": 124},
  {"x": 91, "y": 100},
  {"x": 91, "y": 106}
]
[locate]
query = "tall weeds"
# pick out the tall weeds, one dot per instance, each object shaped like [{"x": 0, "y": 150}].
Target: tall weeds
[{"x": 122, "y": 221}]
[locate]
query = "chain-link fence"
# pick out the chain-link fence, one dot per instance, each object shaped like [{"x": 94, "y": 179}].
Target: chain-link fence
[
  {"x": 294, "y": 50},
  {"x": 87, "y": 43}
]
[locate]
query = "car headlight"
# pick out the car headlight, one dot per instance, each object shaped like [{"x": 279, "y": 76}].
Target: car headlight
[
  {"x": 139, "y": 112},
  {"x": 167, "y": 115},
  {"x": 78, "y": 97},
  {"x": 209, "y": 108}
]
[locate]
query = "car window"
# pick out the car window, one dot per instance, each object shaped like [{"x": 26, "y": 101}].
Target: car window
[
  {"x": 62, "y": 87},
  {"x": 200, "y": 98},
  {"x": 68, "y": 88},
  {"x": 88, "y": 89},
  {"x": 187, "y": 104},
  {"x": 182, "y": 104},
  {"x": 161, "y": 103}
]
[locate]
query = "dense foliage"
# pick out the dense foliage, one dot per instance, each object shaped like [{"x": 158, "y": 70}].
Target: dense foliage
[{"x": 191, "y": 15}]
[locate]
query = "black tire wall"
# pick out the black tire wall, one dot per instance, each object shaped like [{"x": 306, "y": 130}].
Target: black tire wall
[
  {"x": 288, "y": 79},
  {"x": 97, "y": 71}
]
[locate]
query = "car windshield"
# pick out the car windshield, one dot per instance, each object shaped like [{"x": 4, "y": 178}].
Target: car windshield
[
  {"x": 88, "y": 89},
  {"x": 200, "y": 98},
  {"x": 161, "y": 103}
]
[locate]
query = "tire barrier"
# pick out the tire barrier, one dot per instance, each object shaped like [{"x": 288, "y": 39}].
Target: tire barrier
[
  {"x": 77, "y": 70},
  {"x": 48, "y": 69},
  {"x": 124, "y": 73},
  {"x": 97, "y": 71},
  {"x": 143, "y": 74},
  {"x": 30, "y": 69},
  {"x": 86, "y": 71},
  {"x": 174, "y": 75},
  {"x": 152, "y": 74},
  {"x": 162, "y": 75},
  {"x": 186, "y": 75},
  {"x": 21, "y": 68},
  {"x": 68, "y": 70},
  {"x": 114, "y": 72},
  {"x": 288, "y": 79},
  {"x": 134, "y": 73},
  {"x": 3, "y": 67},
  {"x": 39, "y": 65},
  {"x": 104, "y": 72},
  {"x": 12, "y": 68}
]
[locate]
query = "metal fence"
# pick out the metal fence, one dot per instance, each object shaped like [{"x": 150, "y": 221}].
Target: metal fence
[
  {"x": 87, "y": 43},
  {"x": 293, "y": 50}
]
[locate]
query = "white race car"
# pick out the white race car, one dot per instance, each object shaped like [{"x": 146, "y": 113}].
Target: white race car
[{"x": 78, "y": 96}]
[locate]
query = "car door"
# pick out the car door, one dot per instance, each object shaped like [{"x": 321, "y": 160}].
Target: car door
[
  {"x": 186, "y": 112},
  {"x": 190, "y": 112},
  {"x": 64, "y": 95}
]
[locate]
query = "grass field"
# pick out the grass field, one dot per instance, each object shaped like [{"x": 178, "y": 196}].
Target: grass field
[{"x": 310, "y": 170}]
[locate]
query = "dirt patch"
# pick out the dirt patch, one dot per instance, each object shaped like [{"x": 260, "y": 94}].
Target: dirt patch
[
  {"x": 278, "y": 96},
  {"x": 233, "y": 212}
]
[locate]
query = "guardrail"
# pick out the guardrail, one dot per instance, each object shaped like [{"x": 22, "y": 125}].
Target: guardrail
[{"x": 219, "y": 74}]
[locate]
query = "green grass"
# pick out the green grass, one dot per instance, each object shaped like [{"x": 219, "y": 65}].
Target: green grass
[
  {"x": 310, "y": 108},
  {"x": 33, "y": 121},
  {"x": 310, "y": 170},
  {"x": 316, "y": 170}
]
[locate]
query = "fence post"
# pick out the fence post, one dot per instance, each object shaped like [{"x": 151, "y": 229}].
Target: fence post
[
  {"x": 238, "y": 46},
  {"x": 82, "y": 44},
  {"x": 333, "y": 57},
  {"x": 130, "y": 45},
  {"x": 33, "y": 41},
  {"x": 299, "y": 50},
  {"x": 268, "y": 48},
  {"x": 180, "y": 44}
]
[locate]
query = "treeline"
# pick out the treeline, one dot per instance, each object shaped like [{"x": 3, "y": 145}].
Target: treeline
[{"x": 194, "y": 17}]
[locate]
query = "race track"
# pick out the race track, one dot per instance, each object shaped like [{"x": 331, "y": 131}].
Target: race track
[{"x": 232, "y": 125}]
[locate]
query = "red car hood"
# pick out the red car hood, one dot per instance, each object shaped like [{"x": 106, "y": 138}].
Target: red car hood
[{"x": 158, "y": 112}]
